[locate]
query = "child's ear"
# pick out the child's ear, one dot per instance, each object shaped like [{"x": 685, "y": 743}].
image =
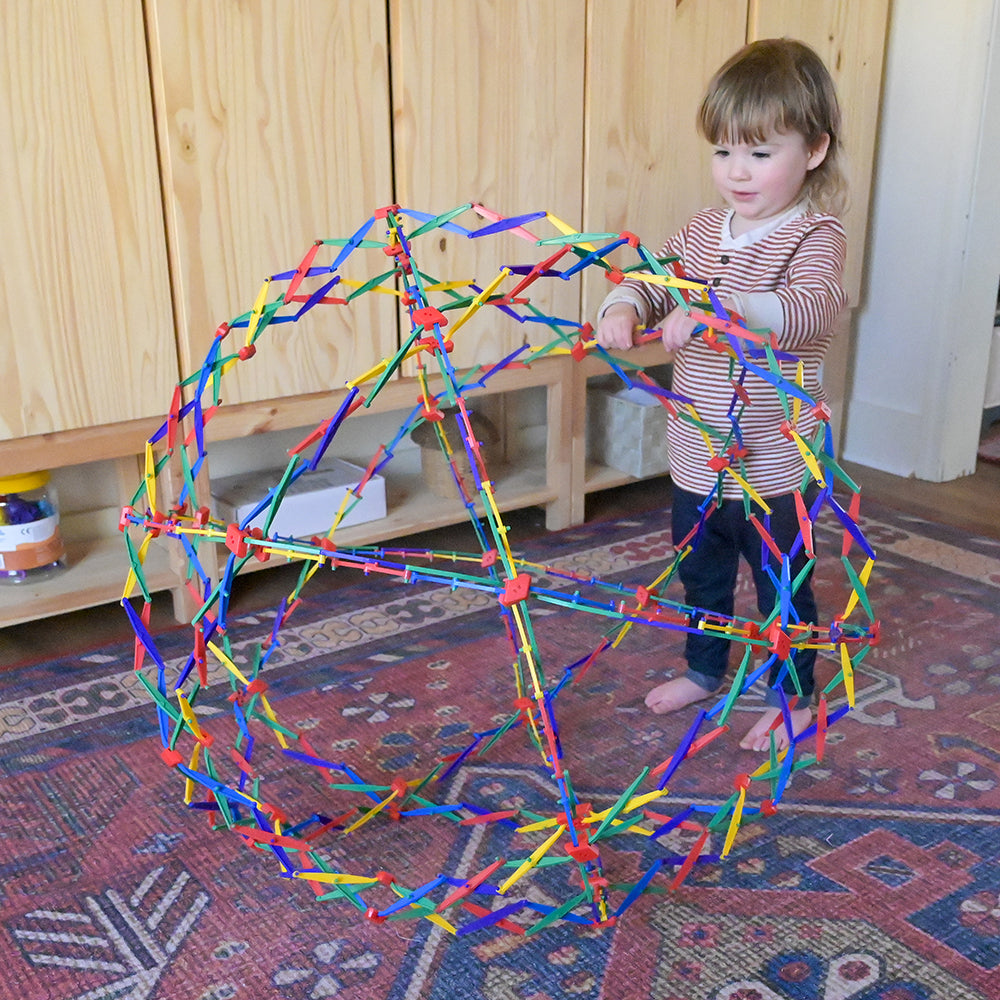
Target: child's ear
[{"x": 818, "y": 153}]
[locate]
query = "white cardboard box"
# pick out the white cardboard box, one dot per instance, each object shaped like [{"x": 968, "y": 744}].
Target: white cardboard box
[
  {"x": 310, "y": 503},
  {"x": 627, "y": 430}
]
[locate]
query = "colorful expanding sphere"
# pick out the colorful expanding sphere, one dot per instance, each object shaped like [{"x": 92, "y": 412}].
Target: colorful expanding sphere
[{"x": 219, "y": 720}]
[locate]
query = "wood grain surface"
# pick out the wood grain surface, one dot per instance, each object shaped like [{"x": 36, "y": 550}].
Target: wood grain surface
[
  {"x": 488, "y": 108},
  {"x": 86, "y": 330},
  {"x": 850, "y": 38},
  {"x": 274, "y": 129}
]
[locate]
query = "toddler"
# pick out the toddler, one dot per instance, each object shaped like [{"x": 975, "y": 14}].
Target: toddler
[{"x": 775, "y": 255}]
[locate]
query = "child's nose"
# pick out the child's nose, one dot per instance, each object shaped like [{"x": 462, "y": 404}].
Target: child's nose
[{"x": 738, "y": 167}]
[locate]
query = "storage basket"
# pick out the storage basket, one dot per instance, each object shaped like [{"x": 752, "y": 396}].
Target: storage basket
[{"x": 435, "y": 467}]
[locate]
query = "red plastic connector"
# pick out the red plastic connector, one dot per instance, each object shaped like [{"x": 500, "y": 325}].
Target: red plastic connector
[
  {"x": 428, "y": 317},
  {"x": 515, "y": 589},
  {"x": 123, "y": 521},
  {"x": 236, "y": 541}
]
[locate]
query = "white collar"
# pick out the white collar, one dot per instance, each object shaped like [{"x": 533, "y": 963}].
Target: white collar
[{"x": 730, "y": 242}]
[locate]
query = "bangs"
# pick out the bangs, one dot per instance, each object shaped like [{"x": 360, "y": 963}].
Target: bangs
[{"x": 728, "y": 119}]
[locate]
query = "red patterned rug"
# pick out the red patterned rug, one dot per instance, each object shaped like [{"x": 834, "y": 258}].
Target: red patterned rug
[{"x": 877, "y": 879}]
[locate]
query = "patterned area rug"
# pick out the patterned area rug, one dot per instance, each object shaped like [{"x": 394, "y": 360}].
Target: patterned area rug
[{"x": 877, "y": 880}]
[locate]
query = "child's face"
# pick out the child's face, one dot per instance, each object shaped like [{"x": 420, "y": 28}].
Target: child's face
[{"x": 759, "y": 181}]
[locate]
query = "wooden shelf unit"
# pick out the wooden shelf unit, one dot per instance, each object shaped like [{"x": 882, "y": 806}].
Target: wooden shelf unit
[
  {"x": 556, "y": 476},
  {"x": 95, "y": 574}
]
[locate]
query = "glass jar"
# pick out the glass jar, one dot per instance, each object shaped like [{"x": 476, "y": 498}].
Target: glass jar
[{"x": 30, "y": 543}]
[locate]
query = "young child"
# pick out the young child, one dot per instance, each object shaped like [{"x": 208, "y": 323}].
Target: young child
[{"x": 774, "y": 255}]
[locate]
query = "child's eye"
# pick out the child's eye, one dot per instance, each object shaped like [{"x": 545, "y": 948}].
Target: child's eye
[
  {"x": 721, "y": 152},
  {"x": 761, "y": 154}
]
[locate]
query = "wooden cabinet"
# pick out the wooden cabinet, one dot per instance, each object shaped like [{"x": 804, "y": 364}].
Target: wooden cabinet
[
  {"x": 488, "y": 108},
  {"x": 86, "y": 331},
  {"x": 243, "y": 132},
  {"x": 647, "y": 66},
  {"x": 850, "y": 38},
  {"x": 273, "y": 118}
]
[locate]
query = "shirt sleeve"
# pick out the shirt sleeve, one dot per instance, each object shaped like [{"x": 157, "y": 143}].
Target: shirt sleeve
[
  {"x": 812, "y": 293},
  {"x": 761, "y": 310},
  {"x": 651, "y": 302}
]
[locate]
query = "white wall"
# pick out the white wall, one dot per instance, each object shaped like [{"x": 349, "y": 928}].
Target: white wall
[{"x": 924, "y": 326}]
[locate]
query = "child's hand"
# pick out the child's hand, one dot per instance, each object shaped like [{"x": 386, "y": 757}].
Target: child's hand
[
  {"x": 677, "y": 329},
  {"x": 616, "y": 328}
]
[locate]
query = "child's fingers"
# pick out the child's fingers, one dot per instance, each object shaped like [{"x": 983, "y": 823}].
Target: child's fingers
[{"x": 615, "y": 332}]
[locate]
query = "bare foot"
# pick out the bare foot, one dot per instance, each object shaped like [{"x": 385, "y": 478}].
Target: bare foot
[
  {"x": 674, "y": 694},
  {"x": 759, "y": 737}
]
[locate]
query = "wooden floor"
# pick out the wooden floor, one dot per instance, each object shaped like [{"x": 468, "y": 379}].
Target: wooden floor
[{"x": 971, "y": 503}]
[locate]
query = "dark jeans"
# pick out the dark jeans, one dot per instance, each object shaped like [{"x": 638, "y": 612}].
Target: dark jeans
[{"x": 709, "y": 576}]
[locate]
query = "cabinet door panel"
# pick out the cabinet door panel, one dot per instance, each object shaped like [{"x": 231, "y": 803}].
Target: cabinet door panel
[
  {"x": 488, "y": 108},
  {"x": 850, "y": 37},
  {"x": 648, "y": 64},
  {"x": 274, "y": 129},
  {"x": 85, "y": 313}
]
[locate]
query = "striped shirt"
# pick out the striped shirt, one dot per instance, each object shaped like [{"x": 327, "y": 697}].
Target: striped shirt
[{"x": 786, "y": 276}]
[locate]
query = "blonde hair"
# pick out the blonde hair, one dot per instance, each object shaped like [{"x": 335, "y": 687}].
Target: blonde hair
[{"x": 779, "y": 84}]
